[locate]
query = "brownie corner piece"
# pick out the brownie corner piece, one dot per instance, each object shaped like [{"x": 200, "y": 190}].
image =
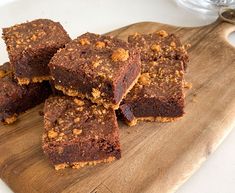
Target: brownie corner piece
[
  {"x": 79, "y": 133},
  {"x": 100, "y": 68},
  {"x": 159, "y": 94},
  {"x": 30, "y": 47},
  {"x": 15, "y": 99}
]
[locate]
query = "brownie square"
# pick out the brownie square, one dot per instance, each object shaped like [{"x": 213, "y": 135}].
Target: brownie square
[
  {"x": 159, "y": 94},
  {"x": 15, "y": 99},
  {"x": 30, "y": 47},
  {"x": 79, "y": 133},
  {"x": 100, "y": 68}
]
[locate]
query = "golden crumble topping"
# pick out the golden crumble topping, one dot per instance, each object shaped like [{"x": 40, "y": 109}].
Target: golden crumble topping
[
  {"x": 95, "y": 93},
  {"x": 145, "y": 79},
  {"x": 52, "y": 134},
  {"x": 77, "y": 131},
  {"x": 79, "y": 102},
  {"x": 120, "y": 55},
  {"x": 162, "y": 33},
  {"x": 84, "y": 41},
  {"x": 100, "y": 44}
]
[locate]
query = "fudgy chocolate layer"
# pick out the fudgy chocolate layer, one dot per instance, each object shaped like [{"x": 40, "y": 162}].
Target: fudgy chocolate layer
[{"x": 84, "y": 152}]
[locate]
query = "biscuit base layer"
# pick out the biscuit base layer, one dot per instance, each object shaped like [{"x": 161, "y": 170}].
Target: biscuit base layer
[
  {"x": 99, "y": 101},
  {"x": 153, "y": 119},
  {"x": 10, "y": 120},
  {"x": 26, "y": 81},
  {"x": 77, "y": 165}
]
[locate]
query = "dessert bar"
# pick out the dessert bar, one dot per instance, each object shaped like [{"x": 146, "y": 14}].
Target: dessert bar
[
  {"x": 158, "y": 95},
  {"x": 100, "y": 68},
  {"x": 79, "y": 133},
  {"x": 30, "y": 47}
]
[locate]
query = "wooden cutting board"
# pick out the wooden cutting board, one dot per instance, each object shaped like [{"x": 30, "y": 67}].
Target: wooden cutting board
[{"x": 156, "y": 157}]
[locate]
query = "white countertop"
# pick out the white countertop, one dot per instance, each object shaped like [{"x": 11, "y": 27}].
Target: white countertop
[{"x": 217, "y": 174}]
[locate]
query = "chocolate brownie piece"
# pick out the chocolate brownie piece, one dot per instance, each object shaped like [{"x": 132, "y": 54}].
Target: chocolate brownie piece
[
  {"x": 100, "y": 68},
  {"x": 158, "y": 95},
  {"x": 15, "y": 99},
  {"x": 30, "y": 47},
  {"x": 79, "y": 133}
]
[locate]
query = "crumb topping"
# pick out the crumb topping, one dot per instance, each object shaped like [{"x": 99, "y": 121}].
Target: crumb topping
[
  {"x": 95, "y": 93},
  {"x": 66, "y": 119},
  {"x": 77, "y": 131},
  {"x": 100, "y": 44},
  {"x": 156, "y": 47},
  {"x": 79, "y": 102},
  {"x": 145, "y": 79},
  {"x": 162, "y": 33},
  {"x": 120, "y": 55},
  {"x": 84, "y": 41},
  {"x": 52, "y": 134},
  {"x": 97, "y": 63}
]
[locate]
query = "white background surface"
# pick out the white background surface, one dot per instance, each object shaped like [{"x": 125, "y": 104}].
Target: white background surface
[{"x": 217, "y": 175}]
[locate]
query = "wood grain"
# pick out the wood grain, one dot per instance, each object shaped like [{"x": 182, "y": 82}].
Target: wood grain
[{"x": 156, "y": 157}]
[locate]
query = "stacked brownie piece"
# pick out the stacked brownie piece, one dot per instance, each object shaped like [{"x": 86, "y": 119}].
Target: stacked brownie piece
[
  {"x": 91, "y": 76},
  {"x": 24, "y": 81},
  {"x": 159, "y": 94},
  {"x": 100, "y": 68}
]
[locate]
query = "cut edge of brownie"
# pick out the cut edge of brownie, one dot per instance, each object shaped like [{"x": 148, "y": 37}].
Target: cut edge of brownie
[
  {"x": 74, "y": 93},
  {"x": 131, "y": 120}
]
